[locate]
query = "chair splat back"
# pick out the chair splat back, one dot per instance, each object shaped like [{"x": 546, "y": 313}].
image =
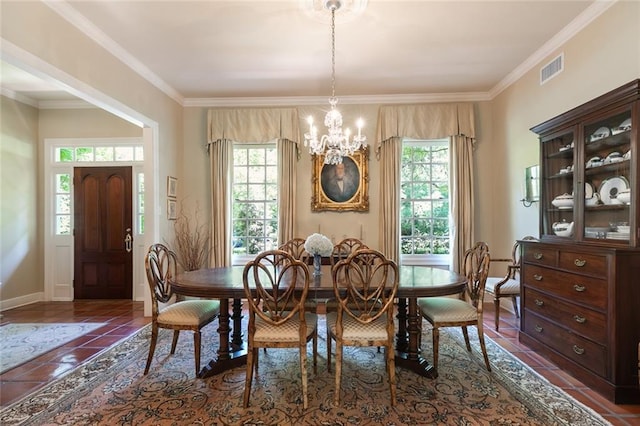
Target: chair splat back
[
  {"x": 295, "y": 247},
  {"x": 161, "y": 269},
  {"x": 364, "y": 284},
  {"x": 476, "y": 268},
  {"x": 278, "y": 283},
  {"x": 344, "y": 248}
]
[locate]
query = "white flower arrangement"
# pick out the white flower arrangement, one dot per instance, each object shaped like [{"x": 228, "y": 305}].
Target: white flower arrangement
[{"x": 318, "y": 244}]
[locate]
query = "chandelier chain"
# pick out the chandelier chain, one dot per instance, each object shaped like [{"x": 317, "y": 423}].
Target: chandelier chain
[
  {"x": 337, "y": 143},
  {"x": 333, "y": 52}
]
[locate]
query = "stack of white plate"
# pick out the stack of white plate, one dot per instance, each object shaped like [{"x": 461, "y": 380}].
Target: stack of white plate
[{"x": 618, "y": 235}]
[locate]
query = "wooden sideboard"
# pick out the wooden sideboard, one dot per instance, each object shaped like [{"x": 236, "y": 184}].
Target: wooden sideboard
[{"x": 581, "y": 309}]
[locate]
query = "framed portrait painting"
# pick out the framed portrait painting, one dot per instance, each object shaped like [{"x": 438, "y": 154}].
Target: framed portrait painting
[{"x": 341, "y": 187}]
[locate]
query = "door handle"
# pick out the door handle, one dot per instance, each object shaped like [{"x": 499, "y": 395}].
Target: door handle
[{"x": 128, "y": 241}]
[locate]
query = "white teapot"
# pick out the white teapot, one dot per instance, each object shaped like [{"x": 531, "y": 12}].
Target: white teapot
[{"x": 563, "y": 229}]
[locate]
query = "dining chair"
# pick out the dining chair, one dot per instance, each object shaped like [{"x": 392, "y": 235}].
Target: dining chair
[
  {"x": 365, "y": 285},
  {"x": 295, "y": 247},
  {"x": 463, "y": 311},
  {"x": 509, "y": 284},
  {"x": 344, "y": 248},
  {"x": 193, "y": 315},
  {"x": 276, "y": 286}
]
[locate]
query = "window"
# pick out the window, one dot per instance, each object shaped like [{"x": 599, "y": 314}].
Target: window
[
  {"x": 255, "y": 200},
  {"x": 424, "y": 203}
]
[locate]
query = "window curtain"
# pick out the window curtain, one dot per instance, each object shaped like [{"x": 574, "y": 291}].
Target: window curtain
[
  {"x": 426, "y": 121},
  {"x": 250, "y": 125}
]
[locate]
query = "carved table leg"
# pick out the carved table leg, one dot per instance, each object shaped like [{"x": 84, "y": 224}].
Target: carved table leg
[
  {"x": 226, "y": 360},
  {"x": 411, "y": 358}
]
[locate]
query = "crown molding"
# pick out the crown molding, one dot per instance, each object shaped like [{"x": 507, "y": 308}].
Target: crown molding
[
  {"x": 18, "y": 97},
  {"x": 342, "y": 100},
  {"x": 66, "y": 11},
  {"x": 557, "y": 41}
]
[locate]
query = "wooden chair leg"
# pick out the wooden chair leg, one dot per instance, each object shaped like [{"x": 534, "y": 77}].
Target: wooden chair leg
[
  {"x": 315, "y": 353},
  {"x": 514, "y": 299},
  {"x": 303, "y": 374},
  {"x": 152, "y": 347},
  {"x": 391, "y": 371},
  {"x": 483, "y": 346},
  {"x": 336, "y": 396},
  {"x": 436, "y": 344},
  {"x": 249, "y": 377},
  {"x": 196, "y": 349},
  {"x": 328, "y": 350},
  {"x": 465, "y": 333},
  {"x": 174, "y": 343},
  {"x": 496, "y": 305}
]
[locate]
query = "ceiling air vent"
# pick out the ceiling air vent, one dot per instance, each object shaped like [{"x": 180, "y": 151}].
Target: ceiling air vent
[{"x": 552, "y": 69}]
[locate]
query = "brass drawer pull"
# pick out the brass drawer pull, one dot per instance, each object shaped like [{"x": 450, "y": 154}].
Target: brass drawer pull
[
  {"x": 537, "y": 277},
  {"x": 580, "y": 262},
  {"x": 538, "y": 329},
  {"x": 539, "y": 302},
  {"x": 537, "y": 256},
  {"x": 578, "y": 349},
  {"x": 579, "y": 319},
  {"x": 579, "y": 288}
]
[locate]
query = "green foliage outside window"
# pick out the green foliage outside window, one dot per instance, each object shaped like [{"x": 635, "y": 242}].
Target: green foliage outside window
[{"x": 424, "y": 209}]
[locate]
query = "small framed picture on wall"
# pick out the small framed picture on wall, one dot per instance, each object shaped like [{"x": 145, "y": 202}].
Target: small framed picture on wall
[
  {"x": 172, "y": 187},
  {"x": 172, "y": 209}
]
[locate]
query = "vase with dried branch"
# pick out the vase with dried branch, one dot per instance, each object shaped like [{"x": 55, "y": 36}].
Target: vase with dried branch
[{"x": 191, "y": 241}]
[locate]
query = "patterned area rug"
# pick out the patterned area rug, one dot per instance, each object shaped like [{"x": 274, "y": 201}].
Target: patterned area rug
[
  {"x": 111, "y": 389},
  {"x": 23, "y": 342}
]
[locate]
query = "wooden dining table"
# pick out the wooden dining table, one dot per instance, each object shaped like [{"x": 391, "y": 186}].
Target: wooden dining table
[{"x": 225, "y": 284}]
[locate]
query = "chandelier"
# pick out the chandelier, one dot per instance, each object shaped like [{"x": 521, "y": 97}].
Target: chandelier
[{"x": 336, "y": 143}]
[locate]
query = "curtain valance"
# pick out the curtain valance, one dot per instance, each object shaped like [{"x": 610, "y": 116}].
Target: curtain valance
[
  {"x": 425, "y": 121},
  {"x": 253, "y": 124}
]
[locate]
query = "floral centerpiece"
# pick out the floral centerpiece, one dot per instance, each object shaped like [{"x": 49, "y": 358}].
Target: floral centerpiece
[{"x": 318, "y": 245}]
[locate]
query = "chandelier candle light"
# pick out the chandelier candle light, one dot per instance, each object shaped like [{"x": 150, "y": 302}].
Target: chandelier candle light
[
  {"x": 337, "y": 143},
  {"x": 318, "y": 245}
]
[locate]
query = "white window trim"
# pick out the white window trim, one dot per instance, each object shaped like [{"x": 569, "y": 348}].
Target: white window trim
[{"x": 427, "y": 259}]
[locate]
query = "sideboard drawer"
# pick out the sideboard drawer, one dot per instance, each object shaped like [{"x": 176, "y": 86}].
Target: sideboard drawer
[
  {"x": 586, "y": 290},
  {"x": 588, "y": 264},
  {"x": 584, "y": 321},
  {"x": 532, "y": 253},
  {"x": 582, "y": 351}
]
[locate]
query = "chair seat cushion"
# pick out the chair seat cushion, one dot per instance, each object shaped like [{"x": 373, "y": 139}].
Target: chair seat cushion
[
  {"x": 189, "y": 312},
  {"x": 446, "y": 309},
  {"x": 355, "y": 330},
  {"x": 509, "y": 288},
  {"x": 286, "y": 332}
]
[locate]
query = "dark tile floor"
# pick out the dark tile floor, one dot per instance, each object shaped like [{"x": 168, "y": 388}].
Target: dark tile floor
[{"x": 124, "y": 318}]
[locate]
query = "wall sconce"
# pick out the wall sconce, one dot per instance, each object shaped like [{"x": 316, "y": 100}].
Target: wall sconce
[{"x": 531, "y": 190}]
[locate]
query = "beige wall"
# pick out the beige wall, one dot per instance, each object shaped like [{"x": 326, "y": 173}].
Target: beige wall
[
  {"x": 602, "y": 57},
  {"x": 21, "y": 269},
  {"x": 34, "y": 30}
]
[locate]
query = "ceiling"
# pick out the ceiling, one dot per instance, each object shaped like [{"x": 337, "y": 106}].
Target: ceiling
[{"x": 197, "y": 50}]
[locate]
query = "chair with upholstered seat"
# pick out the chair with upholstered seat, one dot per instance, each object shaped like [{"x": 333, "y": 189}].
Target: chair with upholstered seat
[
  {"x": 509, "y": 284},
  {"x": 464, "y": 311},
  {"x": 161, "y": 266},
  {"x": 295, "y": 247},
  {"x": 365, "y": 285},
  {"x": 344, "y": 248},
  {"x": 276, "y": 287}
]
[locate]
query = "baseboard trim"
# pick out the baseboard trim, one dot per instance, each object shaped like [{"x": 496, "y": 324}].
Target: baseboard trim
[{"x": 21, "y": 301}]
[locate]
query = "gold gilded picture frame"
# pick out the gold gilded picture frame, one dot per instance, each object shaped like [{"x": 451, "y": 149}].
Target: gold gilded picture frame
[{"x": 341, "y": 187}]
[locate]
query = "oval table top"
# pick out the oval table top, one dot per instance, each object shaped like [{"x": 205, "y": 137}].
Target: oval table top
[{"x": 226, "y": 283}]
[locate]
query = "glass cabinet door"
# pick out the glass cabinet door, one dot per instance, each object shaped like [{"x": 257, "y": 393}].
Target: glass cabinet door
[
  {"x": 558, "y": 152},
  {"x": 606, "y": 160}
]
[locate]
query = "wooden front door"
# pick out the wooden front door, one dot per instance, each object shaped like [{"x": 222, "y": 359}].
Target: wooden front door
[{"x": 103, "y": 244}]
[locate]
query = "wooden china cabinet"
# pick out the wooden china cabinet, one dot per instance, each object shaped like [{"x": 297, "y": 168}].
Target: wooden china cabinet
[{"x": 581, "y": 280}]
